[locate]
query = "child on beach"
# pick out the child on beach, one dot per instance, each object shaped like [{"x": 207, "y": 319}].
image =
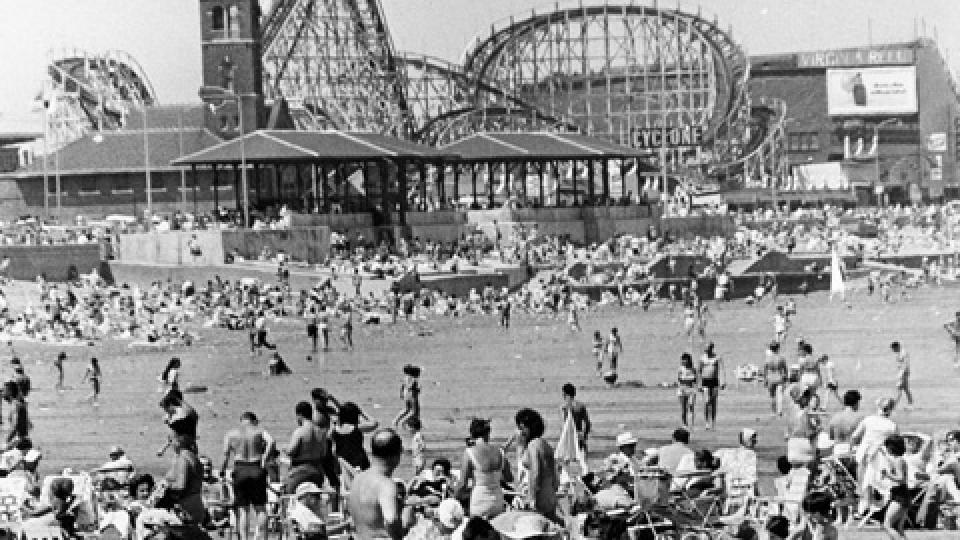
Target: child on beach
[
  {"x": 410, "y": 394},
  {"x": 93, "y": 374}
]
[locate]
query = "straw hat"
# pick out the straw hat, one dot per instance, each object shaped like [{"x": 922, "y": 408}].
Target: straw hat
[{"x": 626, "y": 439}]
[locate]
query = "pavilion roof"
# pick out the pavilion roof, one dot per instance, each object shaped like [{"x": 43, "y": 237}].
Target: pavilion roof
[
  {"x": 278, "y": 146},
  {"x": 535, "y": 146}
]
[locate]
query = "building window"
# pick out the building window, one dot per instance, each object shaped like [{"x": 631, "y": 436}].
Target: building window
[
  {"x": 121, "y": 186},
  {"x": 233, "y": 23},
  {"x": 803, "y": 142},
  {"x": 217, "y": 15},
  {"x": 88, "y": 186}
]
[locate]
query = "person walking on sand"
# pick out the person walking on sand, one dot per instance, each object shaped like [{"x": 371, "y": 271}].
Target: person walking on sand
[
  {"x": 410, "y": 394},
  {"x": 598, "y": 351},
  {"x": 93, "y": 374},
  {"x": 903, "y": 374},
  {"x": 614, "y": 348},
  {"x": 953, "y": 328},
  {"x": 58, "y": 366}
]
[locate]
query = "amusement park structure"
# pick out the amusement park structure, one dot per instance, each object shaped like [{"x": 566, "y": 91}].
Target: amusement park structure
[
  {"x": 87, "y": 91},
  {"x": 611, "y": 71},
  {"x": 672, "y": 84}
]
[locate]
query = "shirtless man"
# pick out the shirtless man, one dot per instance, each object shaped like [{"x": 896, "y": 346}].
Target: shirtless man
[
  {"x": 250, "y": 447},
  {"x": 376, "y": 501},
  {"x": 903, "y": 373},
  {"x": 953, "y": 328}
]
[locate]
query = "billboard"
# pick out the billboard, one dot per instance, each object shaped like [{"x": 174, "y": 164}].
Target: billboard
[{"x": 872, "y": 91}]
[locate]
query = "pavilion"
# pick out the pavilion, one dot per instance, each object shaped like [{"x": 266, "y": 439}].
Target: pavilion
[
  {"x": 543, "y": 151},
  {"x": 315, "y": 157}
]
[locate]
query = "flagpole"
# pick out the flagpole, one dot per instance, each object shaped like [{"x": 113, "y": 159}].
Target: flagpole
[{"x": 46, "y": 176}]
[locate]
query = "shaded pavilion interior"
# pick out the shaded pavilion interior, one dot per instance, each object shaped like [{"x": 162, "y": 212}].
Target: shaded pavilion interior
[
  {"x": 318, "y": 171},
  {"x": 577, "y": 166}
]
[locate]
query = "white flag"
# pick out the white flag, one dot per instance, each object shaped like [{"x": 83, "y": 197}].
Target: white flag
[{"x": 836, "y": 275}]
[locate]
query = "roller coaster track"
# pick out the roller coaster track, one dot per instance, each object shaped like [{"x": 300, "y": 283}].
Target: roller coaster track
[
  {"x": 603, "y": 70},
  {"x": 335, "y": 59},
  {"x": 94, "y": 91},
  {"x": 444, "y": 102}
]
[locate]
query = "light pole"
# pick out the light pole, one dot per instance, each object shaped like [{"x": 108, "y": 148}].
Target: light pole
[
  {"x": 877, "y": 186},
  {"x": 216, "y": 93},
  {"x": 146, "y": 168}
]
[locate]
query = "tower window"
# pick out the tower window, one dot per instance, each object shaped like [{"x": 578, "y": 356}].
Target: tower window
[
  {"x": 233, "y": 24},
  {"x": 218, "y": 18}
]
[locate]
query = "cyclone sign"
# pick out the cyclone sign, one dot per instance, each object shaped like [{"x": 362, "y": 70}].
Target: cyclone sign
[{"x": 675, "y": 137}]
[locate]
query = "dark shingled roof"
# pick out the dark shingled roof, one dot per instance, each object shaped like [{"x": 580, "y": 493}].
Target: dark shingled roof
[
  {"x": 270, "y": 146},
  {"x": 535, "y": 147},
  {"x": 121, "y": 151}
]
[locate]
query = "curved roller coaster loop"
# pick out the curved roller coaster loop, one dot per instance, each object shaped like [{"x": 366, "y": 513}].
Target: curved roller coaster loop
[{"x": 93, "y": 91}]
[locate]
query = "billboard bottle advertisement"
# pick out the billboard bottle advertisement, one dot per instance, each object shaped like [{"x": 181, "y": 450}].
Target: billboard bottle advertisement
[{"x": 872, "y": 91}]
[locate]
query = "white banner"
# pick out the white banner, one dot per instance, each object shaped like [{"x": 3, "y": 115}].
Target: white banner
[{"x": 872, "y": 91}]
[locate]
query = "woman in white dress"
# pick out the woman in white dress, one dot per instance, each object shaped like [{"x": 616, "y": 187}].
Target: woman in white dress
[{"x": 869, "y": 437}]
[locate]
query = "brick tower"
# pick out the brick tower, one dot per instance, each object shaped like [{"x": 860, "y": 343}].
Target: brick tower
[{"x": 231, "y": 51}]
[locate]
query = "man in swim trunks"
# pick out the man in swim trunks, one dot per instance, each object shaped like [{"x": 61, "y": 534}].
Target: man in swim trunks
[
  {"x": 250, "y": 447},
  {"x": 376, "y": 501},
  {"x": 775, "y": 377},
  {"x": 903, "y": 373}
]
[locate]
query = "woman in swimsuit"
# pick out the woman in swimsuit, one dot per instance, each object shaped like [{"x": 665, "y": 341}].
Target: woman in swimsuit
[
  {"x": 485, "y": 467},
  {"x": 687, "y": 389}
]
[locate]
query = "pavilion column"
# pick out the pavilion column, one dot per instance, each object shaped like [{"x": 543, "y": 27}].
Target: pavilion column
[
  {"x": 623, "y": 180},
  {"x": 490, "y": 183},
  {"x": 590, "y": 182},
  {"x": 216, "y": 196},
  {"x": 278, "y": 182},
  {"x": 323, "y": 186},
  {"x": 364, "y": 184},
  {"x": 556, "y": 175},
  {"x": 256, "y": 181},
  {"x": 402, "y": 178},
  {"x": 423, "y": 186},
  {"x": 540, "y": 166},
  {"x": 344, "y": 187},
  {"x": 523, "y": 180},
  {"x": 456, "y": 183},
  {"x": 473, "y": 170},
  {"x": 313, "y": 190},
  {"x": 574, "y": 175},
  {"x": 441, "y": 189},
  {"x": 193, "y": 176},
  {"x": 507, "y": 184},
  {"x": 606, "y": 179},
  {"x": 300, "y": 194},
  {"x": 384, "y": 170}
]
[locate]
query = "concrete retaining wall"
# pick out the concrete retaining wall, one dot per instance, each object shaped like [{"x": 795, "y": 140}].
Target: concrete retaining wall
[
  {"x": 170, "y": 248},
  {"x": 459, "y": 284},
  {"x": 742, "y": 286},
  {"x": 28, "y": 262},
  {"x": 310, "y": 244}
]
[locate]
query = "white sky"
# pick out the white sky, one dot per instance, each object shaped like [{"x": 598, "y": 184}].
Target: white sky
[{"x": 163, "y": 35}]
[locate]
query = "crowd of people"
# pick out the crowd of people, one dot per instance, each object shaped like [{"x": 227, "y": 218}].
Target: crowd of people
[{"x": 336, "y": 475}]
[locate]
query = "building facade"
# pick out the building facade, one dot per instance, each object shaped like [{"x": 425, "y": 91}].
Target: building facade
[{"x": 881, "y": 120}]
